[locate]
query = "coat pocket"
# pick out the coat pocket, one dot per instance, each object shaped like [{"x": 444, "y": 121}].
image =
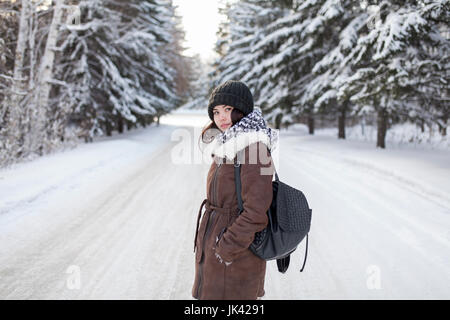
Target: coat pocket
[
  {"x": 219, "y": 236},
  {"x": 217, "y": 230},
  {"x": 206, "y": 233}
]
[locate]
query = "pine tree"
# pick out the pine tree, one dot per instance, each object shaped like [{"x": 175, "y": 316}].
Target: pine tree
[
  {"x": 382, "y": 53},
  {"x": 341, "y": 58},
  {"x": 117, "y": 65},
  {"x": 180, "y": 62},
  {"x": 106, "y": 65},
  {"x": 199, "y": 84},
  {"x": 425, "y": 70},
  {"x": 285, "y": 52},
  {"x": 342, "y": 22},
  {"x": 240, "y": 59},
  {"x": 237, "y": 39}
]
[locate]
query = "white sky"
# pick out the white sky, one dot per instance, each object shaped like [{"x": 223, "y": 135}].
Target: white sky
[{"x": 200, "y": 20}]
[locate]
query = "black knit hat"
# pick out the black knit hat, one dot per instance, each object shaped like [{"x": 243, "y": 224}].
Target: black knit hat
[{"x": 231, "y": 93}]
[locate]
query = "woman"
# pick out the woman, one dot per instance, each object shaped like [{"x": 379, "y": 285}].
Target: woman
[{"x": 224, "y": 266}]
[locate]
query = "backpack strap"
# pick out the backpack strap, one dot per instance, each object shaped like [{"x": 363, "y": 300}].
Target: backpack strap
[
  {"x": 237, "y": 179},
  {"x": 274, "y": 167},
  {"x": 306, "y": 253},
  {"x": 283, "y": 263}
]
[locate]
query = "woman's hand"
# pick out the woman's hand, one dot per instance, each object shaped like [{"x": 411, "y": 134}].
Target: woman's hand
[{"x": 221, "y": 260}]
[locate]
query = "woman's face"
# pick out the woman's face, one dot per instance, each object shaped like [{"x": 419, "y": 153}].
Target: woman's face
[{"x": 222, "y": 116}]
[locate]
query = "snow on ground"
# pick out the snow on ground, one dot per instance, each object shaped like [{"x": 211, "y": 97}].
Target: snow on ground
[
  {"x": 381, "y": 221},
  {"x": 115, "y": 219},
  {"x": 406, "y": 135}
]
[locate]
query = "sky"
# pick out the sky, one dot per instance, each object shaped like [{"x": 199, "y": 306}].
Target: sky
[{"x": 200, "y": 20}]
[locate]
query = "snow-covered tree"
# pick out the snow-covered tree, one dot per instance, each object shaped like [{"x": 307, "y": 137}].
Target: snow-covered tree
[
  {"x": 341, "y": 58},
  {"x": 425, "y": 69},
  {"x": 276, "y": 49},
  {"x": 238, "y": 36},
  {"x": 83, "y": 68},
  {"x": 180, "y": 62},
  {"x": 44, "y": 84},
  {"x": 397, "y": 40},
  {"x": 341, "y": 23},
  {"x": 240, "y": 58},
  {"x": 199, "y": 84},
  {"x": 11, "y": 130},
  {"x": 117, "y": 65}
]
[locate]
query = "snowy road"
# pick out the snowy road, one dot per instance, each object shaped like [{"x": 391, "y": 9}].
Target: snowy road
[
  {"x": 127, "y": 236},
  {"x": 118, "y": 221},
  {"x": 379, "y": 230}
]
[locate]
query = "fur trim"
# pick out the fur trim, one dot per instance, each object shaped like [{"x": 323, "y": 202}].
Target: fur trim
[{"x": 231, "y": 147}]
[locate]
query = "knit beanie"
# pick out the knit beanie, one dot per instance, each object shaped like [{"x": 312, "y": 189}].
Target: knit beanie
[{"x": 231, "y": 93}]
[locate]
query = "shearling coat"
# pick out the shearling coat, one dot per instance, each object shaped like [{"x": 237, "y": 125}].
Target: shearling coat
[{"x": 223, "y": 231}]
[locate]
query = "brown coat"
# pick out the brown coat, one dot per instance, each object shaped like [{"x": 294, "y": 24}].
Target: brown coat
[{"x": 223, "y": 231}]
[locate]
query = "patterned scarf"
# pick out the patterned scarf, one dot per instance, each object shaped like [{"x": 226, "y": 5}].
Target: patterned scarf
[{"x": 253, "y": 122}]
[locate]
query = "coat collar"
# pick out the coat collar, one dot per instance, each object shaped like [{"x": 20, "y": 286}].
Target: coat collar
[{"x": 232, "y": 146}]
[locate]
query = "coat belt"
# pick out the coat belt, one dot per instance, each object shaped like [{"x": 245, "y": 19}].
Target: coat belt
[
  {"x": 220, "y": 210},
  {"x": 209, "y": 209}
]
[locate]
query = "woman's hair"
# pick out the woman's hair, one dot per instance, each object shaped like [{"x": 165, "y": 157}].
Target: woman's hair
[{"x": 210, "y": 131}]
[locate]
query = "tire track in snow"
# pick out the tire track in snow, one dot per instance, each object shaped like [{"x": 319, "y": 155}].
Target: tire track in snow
[
  {"x": 122, "y": 241},
  {"x": 368, "y": 191},
  {"x": 38, "y": 261},
  {"x": 411, "y": 185},
  {"x": 322, "y": 175}
]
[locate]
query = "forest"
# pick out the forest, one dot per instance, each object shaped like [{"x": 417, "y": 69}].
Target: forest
[{"x": 72, "y": 70}]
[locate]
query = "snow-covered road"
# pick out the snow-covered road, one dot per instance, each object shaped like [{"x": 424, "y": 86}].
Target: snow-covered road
[
  {"x": 380, "y": 230},
  {"x": 115, "y": 220},
  {"x": 124, "y": 233}
]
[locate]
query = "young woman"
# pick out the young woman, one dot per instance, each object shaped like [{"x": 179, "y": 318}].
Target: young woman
[{"x": 224, "y": 266}]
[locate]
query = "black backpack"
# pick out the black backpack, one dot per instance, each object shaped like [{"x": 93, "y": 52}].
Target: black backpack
[{"x": 289, "y": 222}]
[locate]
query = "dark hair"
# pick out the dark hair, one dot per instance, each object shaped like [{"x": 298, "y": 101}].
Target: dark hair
[{"x": 207, "y": 137}]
